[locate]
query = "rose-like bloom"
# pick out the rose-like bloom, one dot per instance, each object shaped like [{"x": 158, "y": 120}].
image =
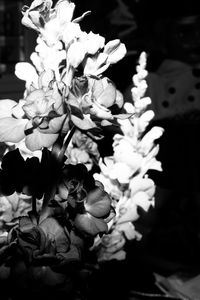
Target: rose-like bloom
[
  {"x": 89, "y": 206},
  {"x": 90, "y": 100},
  {"x": 94, "y": 212},
  {"x": 38, "y": 119},
  {"x": 41, "y": 251}
]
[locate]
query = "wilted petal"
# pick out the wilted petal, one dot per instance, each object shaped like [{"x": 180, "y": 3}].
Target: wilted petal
[{"x": 12, "y": 130}]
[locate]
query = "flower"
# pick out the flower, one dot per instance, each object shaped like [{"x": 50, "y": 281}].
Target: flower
[
  {"x": 95, "y": 212},
  {"x": 37, "y": 119},
  {"x": 113, "y": 51},
  {"x": 49, "y": 22},
  {"x": 87, "y": 202}
]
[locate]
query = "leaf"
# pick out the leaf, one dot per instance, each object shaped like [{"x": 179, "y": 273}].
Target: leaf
[
  {"x": 89, "y": 224},
  {"x": 98, "y": 203}
]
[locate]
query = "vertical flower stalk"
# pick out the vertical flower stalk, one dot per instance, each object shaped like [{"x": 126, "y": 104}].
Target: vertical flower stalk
[{"x": 124, "y": 174}]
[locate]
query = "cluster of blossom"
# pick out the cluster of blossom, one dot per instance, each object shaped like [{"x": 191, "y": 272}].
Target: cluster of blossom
[
  {"x": 65, "y": 94},
  {"x": 124, "y": 174},
  {"x": 66, "y": 102},
  {"x": 65, "y": 85}
]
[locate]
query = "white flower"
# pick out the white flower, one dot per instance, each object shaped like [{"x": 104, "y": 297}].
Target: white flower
[{"x": 112, "y": 53}]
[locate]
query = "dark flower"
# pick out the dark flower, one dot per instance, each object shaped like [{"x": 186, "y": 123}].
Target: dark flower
[{"x": 40, "y": 253}]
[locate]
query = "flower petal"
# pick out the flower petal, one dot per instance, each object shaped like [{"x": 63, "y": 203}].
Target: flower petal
[
  {"x": 6, "y": 106},
  {"x": 37, "y": 140},
  {"x": 25, "y": 71},
  {"x": 65, "y": 10},
  {"x": 12, "y": 130},
  {"x": 53, "y": 229},
  {"x": 115, "y": 50},
  {"x": 98, "y": 203},
  {"x": 89, "y": 224}
]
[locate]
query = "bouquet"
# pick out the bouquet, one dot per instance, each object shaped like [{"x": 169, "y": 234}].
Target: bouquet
[{"x": 59, "y": 199}]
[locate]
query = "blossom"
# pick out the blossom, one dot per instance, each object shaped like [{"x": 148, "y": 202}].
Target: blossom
[
  {"x": 49, "y": 57},
  {"x": 96, "y": 207},
  {"x": 112, "y": 52},
  {"x": 86, "y": 199},
  {"x": 90, "y": 100},
  {"x": 37, "y": 119},
  {"x": 47, "y": 21}
]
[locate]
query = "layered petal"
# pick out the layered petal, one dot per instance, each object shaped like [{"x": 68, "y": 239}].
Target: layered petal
[{"x": 12, "y": 130}]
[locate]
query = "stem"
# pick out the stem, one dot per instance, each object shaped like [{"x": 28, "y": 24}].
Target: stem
[
  {"x": 34, "y": 206},
  {"x": 65, "y": 145}
]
